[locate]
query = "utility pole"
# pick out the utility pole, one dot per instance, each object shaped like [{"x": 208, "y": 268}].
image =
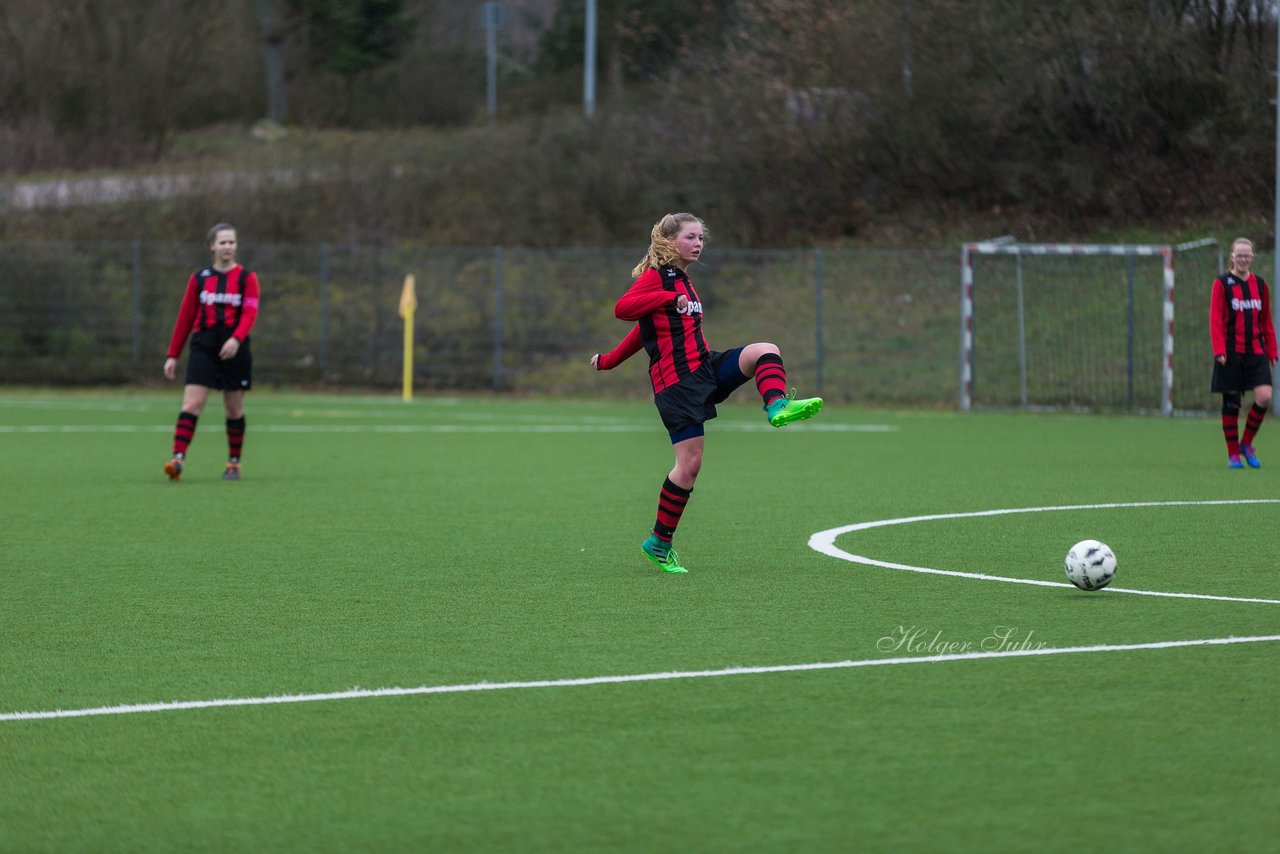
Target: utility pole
[
  {"x": 493, "y": 17},
  {"x": 273, "y": 59},
  {"x": 907, "y": 72},
  {"x": 589, "y": 61}
]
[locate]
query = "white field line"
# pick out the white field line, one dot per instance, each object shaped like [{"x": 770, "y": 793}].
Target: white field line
[
  {"x": 311, "y": 411},
  {"x": 730, "y": 426},
  {"x": 264, "y": 405},
  {"x": 824, "y": 542},
  {"x": 361, "y": 693}
]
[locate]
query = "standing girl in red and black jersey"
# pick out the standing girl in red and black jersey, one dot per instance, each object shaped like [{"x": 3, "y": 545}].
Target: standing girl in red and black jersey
[
  {"x": 217, "y": 313},
  {"x": 688, "y": 378},
  {"x": 1244, "y": 350}
]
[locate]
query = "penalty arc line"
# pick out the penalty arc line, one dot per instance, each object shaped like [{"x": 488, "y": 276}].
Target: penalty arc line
[
  {"x": 824, "y": 542},
  {"x": 360, "y": 693}
]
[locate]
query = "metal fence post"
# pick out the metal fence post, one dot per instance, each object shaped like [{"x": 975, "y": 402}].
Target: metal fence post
[
  {"x": 1129, "y": 318},
  {"x": 497, "y": 318},
  {"x": 817, "y": 301},
  {"x": 136, "y": 311},
  {"x": 1022, "y": 334},
  {"x": 324, "y": 311}
]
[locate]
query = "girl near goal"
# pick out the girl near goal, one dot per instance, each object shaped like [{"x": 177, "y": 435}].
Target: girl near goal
[
  {"x": 689, "y": 378},
  {"x": 1244, "y": 350},
  {"x": 217, "y": 311}
]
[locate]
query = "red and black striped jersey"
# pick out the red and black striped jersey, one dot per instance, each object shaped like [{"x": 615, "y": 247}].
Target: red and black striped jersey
[
  {"x": 627, "y": 347},
  {"x": 1240, "y": 316},
  {"x": 213, "y": 300},
  {"x": 672, "y": 337}
]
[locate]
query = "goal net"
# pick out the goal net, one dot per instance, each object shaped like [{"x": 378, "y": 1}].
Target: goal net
[{"x": 1083, "y": 326}]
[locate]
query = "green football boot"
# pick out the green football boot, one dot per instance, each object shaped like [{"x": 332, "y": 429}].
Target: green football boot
[
  {"x": 784, "y": 410},
  {"x": 663, "y": 556}
]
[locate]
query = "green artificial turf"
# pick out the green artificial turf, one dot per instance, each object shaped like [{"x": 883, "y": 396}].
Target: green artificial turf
[{"x": 453, "y": 541}]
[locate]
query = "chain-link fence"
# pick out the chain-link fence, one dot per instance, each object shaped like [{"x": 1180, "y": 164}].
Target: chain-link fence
[
  {"x": 870, "y": 326},
  {"x": 875, "y": 327}
]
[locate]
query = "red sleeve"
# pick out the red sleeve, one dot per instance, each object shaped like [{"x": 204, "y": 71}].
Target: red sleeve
[
  {"x": 626, "y": 348},
  {"x": 1268, "y": 325},
  {"x": 1218, "y": 319},
  {"x": 644, "y": 297},
  {"x": 248, "y": 308},
  {"x": 186, "y": 320}
]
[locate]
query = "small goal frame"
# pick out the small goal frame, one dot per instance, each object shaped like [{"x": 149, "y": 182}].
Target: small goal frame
[{"x": 969, "y": 251}]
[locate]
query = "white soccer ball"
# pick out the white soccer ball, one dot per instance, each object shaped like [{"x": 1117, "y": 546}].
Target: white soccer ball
[{"x": 1090, "y": 565}]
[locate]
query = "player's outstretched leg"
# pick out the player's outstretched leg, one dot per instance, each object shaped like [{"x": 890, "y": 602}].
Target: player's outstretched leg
[
  {"x": 663, "y": 556},
  {"x": 771, "y": 379},
  {"x": 785, "y": 410}
]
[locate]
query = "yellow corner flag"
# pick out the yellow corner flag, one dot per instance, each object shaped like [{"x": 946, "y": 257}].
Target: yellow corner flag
[
  {"x": 408, "y": 298},
  {"x": 408, "y": 305}
]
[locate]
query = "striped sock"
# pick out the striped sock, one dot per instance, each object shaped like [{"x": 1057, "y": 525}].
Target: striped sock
[
  {"x": 1252, "y": 423},
  {"x": 184, "y": 432},
  {"x": 771, "y": 378},
  {"x": 1231, "y": 431},
  {"x": 671, "y": 503},
  {"x": 235, "y": 438}
]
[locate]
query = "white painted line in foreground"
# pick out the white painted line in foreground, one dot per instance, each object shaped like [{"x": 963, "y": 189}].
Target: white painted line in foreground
[
  {"x": 360, "y": 693},
  {"x": 825, "y": 542}
]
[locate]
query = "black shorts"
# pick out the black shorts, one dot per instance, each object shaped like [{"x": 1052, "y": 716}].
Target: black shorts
[
  {"x": 685, "y": 406},
  {"x": 1242, "y": 372},
  {"x": 206, "y": 369}
]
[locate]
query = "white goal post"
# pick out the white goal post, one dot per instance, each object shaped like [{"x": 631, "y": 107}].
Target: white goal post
[{"x": 1075, "y": 329}]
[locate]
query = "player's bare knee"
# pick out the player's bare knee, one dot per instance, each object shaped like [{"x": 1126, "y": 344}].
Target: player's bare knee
[{"x": 689, "y": 465}]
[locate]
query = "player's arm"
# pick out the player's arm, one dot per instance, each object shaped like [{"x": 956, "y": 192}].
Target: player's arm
[
  {"x": 645, "y": 296},
  {"x": 248, "y": 308},
  {"x": 1218, "y": 320},
  {"x": 181, "y": 329},
  {"x": 248, "y": 314},
  {"x": 1268, "y": 325},
  {"x": 626, "y": 348},
  {"x": 186, "y": 319}
]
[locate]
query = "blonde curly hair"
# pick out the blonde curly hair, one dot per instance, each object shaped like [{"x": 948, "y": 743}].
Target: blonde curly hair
[{"x": 662, "y": 252}]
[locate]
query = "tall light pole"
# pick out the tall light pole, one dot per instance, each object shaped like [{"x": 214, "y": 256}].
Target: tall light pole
[
  {"x": 906, "y": 49},
  {"x": 493, "y": 16},
  {"x": 273, "y": 33},
  {"x": 589, "y": 61}
]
